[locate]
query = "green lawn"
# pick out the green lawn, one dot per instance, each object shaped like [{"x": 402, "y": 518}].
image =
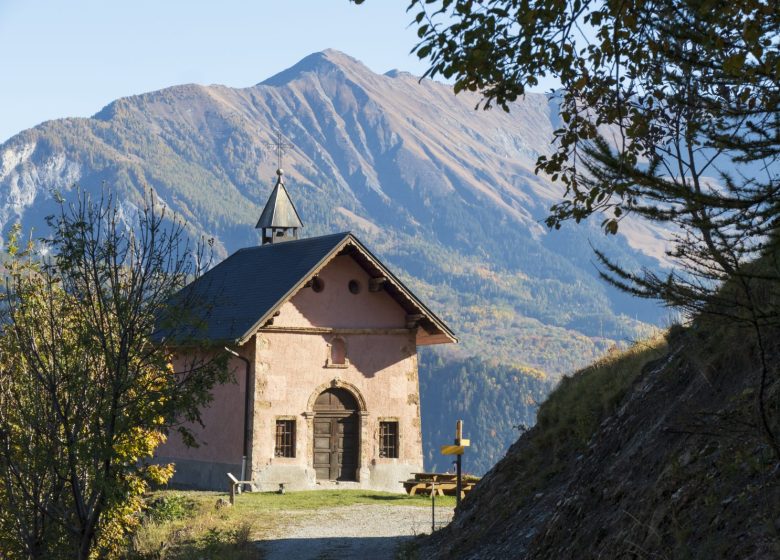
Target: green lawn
[
  {"x": 316, "y": 499},
  {"x": 179, "y": 525}
]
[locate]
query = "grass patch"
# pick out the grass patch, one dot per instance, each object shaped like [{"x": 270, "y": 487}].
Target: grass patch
[
  {"x": 169, "y": 507},
  {"x": 184, "y": 525},
  {"x": 316, "y": 499}
]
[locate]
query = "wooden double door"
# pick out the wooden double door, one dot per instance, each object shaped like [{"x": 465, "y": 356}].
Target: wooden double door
[{"x": 336, "y": 436}]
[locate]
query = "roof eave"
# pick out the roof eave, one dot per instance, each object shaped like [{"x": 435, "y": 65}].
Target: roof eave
[
  {"x": 351, "y": 239},
  {"x": 294, "y": 290},
  {"x": 438, "y": 323}
]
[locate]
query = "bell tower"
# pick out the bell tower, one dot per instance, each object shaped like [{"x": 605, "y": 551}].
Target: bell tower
[{"x": 279, "y": 220}]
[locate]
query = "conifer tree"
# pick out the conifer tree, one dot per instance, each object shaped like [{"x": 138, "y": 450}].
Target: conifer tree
[{"x": 670, "y": 111}]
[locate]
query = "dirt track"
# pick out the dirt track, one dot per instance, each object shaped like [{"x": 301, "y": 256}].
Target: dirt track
[{"x": 359, "y": 532}]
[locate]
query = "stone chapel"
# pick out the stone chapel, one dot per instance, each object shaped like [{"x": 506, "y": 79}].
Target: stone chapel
[{"x": 324, "y": 340}]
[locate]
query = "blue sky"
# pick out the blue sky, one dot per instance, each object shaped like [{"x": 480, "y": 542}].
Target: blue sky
[{"x": 65, "y": 58}]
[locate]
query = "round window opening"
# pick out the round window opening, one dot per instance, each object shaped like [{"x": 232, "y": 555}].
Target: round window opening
[
  {"x": 354, "y": 286},
  {"x": 317, "y": 284}
]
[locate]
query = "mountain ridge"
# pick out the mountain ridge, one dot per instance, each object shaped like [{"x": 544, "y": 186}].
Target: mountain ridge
[
  {"x": 366, "y": 156},
  {"x": 402, "y": 162},
  {"x": 445, "y": 195}
]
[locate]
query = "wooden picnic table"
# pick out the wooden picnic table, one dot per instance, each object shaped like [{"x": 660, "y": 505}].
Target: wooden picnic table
[
  {"x": 435, "y": 477},
  {"x": 441, "y": 483}
]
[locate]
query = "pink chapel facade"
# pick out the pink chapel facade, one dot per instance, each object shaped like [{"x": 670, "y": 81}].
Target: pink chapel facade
[{"x": 333, "y": 385}]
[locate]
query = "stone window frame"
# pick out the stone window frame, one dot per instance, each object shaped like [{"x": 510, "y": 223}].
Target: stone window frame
[
  {"x": 294, "y": 436},
  {"x": 329, "y": 363},
  {"x": 398, "y": 438}
]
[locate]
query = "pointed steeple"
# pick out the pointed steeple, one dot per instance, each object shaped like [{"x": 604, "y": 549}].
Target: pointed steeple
[{"x": 279, "y": 220}]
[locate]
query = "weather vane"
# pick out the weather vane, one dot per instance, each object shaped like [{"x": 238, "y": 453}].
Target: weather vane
[{"x": 279, "y": 146}]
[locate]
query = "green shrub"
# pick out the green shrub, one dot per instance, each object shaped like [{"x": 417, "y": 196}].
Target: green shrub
[{"x": 169, "y": 508}]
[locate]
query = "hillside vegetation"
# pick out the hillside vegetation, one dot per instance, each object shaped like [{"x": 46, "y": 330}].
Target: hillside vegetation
[
  {"x": 495, "y": 401},
  {"x": 651, "y": 453}
]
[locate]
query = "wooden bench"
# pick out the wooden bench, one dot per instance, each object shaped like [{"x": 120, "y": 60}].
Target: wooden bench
[
  {"x": 436, "y": 477},
  {"x": 235, "y": 486}
]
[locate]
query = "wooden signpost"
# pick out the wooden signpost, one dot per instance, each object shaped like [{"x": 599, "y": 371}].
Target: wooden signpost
[{"x": 460, "y": 445}]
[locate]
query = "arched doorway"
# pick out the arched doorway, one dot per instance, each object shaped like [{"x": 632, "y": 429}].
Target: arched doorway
[{"x": 336, "y": 435}]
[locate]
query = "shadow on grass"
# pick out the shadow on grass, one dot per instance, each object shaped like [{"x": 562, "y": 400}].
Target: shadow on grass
[
  {"x": 335, "y": 548},
  {"x": 398, "y": 498}
]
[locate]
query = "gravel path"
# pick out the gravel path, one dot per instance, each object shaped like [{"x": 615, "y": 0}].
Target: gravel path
[{"x": 360, "y": 532}]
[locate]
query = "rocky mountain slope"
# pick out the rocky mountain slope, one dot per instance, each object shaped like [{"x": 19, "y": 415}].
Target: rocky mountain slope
[
  {"x": 443, "y": 192},
  {"x": 446, "y": 195},
  {"x": 656, "y": 453}
]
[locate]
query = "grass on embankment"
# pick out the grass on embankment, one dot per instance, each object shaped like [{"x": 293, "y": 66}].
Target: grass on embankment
[
  {"x": 181, "y": 525},
  {"x": 576, "y": 408}
]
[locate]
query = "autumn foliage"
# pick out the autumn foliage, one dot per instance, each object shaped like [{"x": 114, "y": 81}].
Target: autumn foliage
[{"x": 87, "y": 387}]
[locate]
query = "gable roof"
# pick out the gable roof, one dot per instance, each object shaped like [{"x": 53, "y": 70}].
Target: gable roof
[{"x": 245, "y": 290}]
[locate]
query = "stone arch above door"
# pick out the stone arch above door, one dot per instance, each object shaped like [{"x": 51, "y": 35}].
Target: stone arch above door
[
  {"x": 335, "y": 400},
  {"x": 337, "y": 384}
]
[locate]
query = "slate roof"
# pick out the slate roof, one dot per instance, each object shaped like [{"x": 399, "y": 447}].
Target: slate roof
[
  {"x": 279, "y": 211},
  {"x": 243, "y": 291}
]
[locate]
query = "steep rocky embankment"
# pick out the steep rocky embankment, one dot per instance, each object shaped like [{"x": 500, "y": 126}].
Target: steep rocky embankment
[{"x": 655, "y": 453}]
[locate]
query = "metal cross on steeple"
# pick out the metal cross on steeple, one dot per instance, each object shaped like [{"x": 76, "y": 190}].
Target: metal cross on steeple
[{"x": 280, "y": 146}]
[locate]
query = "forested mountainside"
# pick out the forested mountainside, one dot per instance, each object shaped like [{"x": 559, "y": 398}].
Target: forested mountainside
[
  {"x": 495, "y": 401},
  {"x": 654, "y": 453},
  {"x": 444, "y": 194}
]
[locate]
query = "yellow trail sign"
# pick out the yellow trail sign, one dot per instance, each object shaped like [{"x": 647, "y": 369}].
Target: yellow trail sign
[{"x": 452, "y": 450}]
